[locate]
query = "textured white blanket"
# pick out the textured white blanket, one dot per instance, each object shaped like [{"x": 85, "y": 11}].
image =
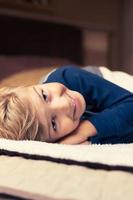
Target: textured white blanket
[
  {"x": 108, "y": 157},
  {"x": 120, "y": 78}
]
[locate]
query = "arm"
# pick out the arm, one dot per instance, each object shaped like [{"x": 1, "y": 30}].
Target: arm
[
  {"x": 111, "y": 107},
  {"x": 80, "y": 134}
]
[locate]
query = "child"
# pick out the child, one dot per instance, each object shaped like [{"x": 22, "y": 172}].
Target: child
[{"x": 72, "y": 107}]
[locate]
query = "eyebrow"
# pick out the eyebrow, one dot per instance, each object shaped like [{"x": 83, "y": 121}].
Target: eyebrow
[{"x": 45, "y": 129}]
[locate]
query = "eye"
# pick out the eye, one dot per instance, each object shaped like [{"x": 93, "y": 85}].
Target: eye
[
  {"x": 54, "y": 125},
  {"x": 45, "y": 97}
]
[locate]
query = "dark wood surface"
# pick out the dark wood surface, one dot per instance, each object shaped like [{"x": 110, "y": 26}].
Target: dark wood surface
[
  {"x": 27, "y": 44},
  {"x": 30, "y": 37}
]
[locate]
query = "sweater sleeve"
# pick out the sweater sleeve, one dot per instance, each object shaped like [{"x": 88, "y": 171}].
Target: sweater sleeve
[{"x": 112, "y": 105}]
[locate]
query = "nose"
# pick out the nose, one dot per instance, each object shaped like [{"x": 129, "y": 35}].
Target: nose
[
  {"x": 60, "y": 105},
  {"x": 60, "y": 89}
]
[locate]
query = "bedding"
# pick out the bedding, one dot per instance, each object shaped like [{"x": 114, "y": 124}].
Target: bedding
[
  {"x": 38, "y": 170},
  {"x": 120, "y": 78}
]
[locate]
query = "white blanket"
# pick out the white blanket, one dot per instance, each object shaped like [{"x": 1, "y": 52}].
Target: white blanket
[
  {"x": 109, "y": 157},
  {"x": 120, "y": 78},
  {"x": 37, "y": 170}
]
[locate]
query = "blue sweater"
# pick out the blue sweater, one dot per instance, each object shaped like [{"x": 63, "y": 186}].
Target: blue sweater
[{"x": 109, "y": 107}]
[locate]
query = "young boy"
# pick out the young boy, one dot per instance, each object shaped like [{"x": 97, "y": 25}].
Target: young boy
[{"x": 72, "y": 107}]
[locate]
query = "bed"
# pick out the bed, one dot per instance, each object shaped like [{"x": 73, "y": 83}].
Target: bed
[
  {"x": 37, "y": 170},
  {"x": 42, "y": 171}
]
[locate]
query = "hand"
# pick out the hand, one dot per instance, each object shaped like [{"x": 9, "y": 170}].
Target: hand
[
  {"x": 80, "y": 134},
  {"x": 86, "y": 143}
]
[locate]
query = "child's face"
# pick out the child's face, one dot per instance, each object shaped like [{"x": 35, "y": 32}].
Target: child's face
[{"x": 58, "y": 108}]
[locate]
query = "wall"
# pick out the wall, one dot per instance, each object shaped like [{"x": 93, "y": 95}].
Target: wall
[
  {"x": 127, "y": 37},
  {"x": 94, "y": 15}
]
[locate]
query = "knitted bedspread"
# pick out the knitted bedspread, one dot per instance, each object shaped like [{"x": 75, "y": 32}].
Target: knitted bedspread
[{"x": 38, "y": 170}]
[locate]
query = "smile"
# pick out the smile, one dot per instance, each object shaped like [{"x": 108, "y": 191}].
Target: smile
[{"x": 73, "y": 107}]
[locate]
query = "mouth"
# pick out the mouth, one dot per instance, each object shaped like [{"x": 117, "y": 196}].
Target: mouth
[
  {"x": 74, "y": 106},
  {"x": 74, "y": 109}
]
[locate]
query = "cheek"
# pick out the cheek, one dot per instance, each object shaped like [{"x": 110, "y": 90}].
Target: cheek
[{"x": 67, "y": 127}]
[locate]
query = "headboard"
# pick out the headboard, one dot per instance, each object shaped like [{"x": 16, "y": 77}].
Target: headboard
[{"x": 27, "y": 44}]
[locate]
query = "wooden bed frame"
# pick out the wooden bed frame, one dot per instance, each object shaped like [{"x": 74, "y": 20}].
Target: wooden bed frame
[{"x": 26, "y": 44}]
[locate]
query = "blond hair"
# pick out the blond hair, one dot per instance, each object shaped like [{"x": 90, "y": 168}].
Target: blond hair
[{"x": 18, "y": 120}]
